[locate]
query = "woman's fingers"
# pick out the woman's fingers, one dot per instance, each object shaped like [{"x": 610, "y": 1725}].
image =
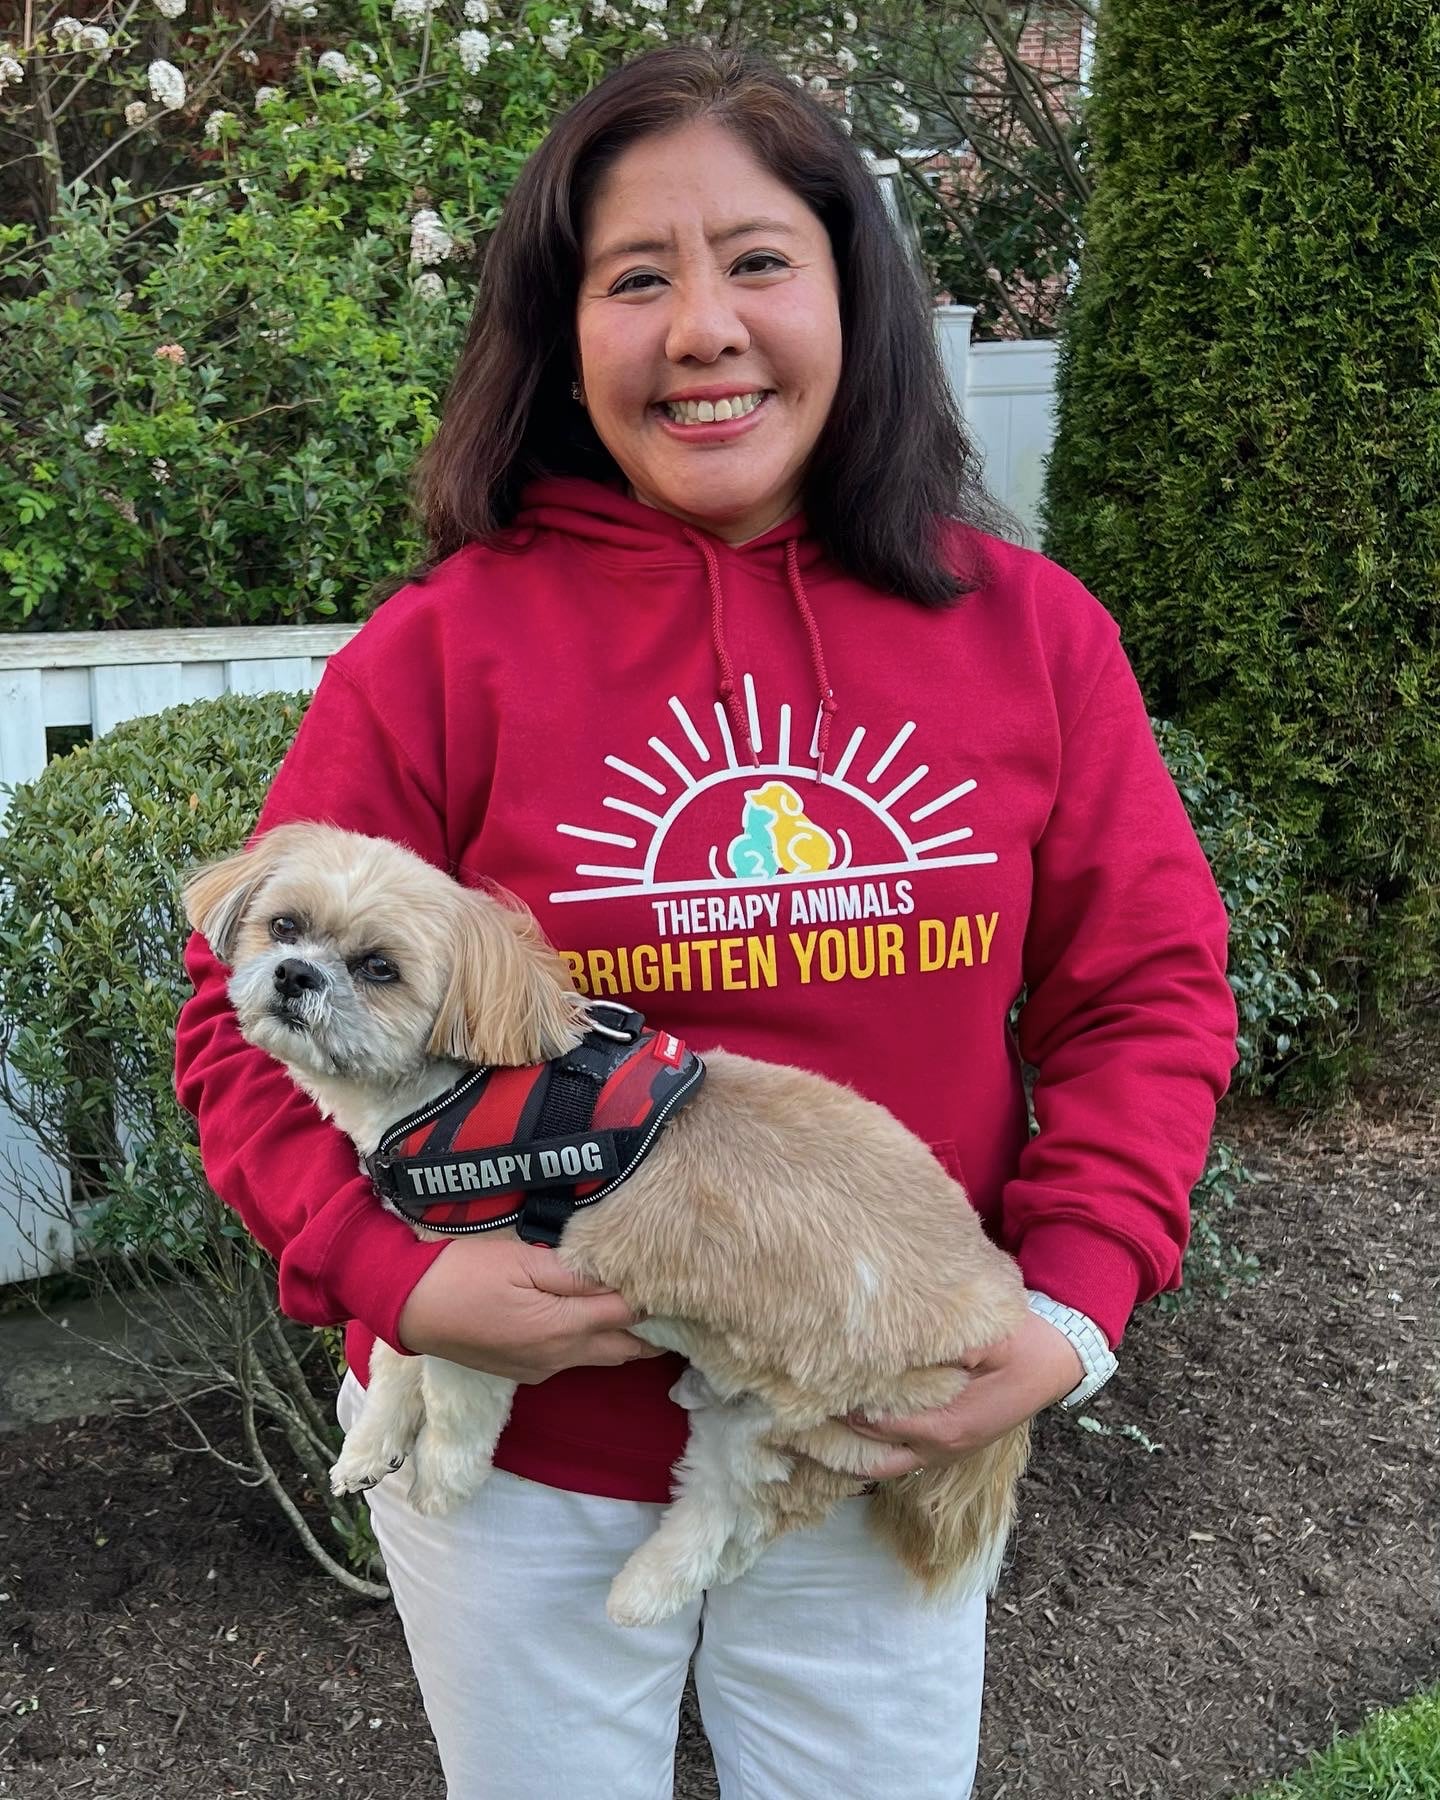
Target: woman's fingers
[
  {"x": 544, "y": 1270},
  {"x": 616, "y": 1347}
]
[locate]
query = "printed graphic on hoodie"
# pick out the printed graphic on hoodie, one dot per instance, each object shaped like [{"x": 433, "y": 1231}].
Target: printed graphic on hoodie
[{"x": 775, "y": 856}]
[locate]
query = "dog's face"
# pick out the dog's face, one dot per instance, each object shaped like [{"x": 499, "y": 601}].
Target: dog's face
[{"x": 354, "y": 959}]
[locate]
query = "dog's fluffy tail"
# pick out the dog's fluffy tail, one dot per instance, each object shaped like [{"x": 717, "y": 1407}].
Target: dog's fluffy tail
[{"x": 949, "y": 1526}]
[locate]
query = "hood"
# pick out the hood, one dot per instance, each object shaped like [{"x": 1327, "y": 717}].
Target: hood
[{"x": 641, "y": 536}]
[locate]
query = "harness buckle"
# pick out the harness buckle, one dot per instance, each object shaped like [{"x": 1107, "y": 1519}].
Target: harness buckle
[{"x": 631, "y": 1022}]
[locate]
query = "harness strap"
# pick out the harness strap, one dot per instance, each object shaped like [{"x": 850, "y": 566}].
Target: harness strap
[{"x": 556, "y": 1159}]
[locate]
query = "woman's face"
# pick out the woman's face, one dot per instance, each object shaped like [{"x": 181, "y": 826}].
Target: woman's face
[{"x": 706, "y": 277}]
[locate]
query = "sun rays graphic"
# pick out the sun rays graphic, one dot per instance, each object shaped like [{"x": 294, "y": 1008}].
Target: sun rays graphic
[{"x": 772, "y": 837}]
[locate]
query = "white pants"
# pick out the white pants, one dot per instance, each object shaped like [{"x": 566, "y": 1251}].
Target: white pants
[{"x": 822, "y": 1674}]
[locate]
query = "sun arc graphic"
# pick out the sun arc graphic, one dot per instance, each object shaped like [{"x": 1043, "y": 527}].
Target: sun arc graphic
[{"x": 704, "y": 820}]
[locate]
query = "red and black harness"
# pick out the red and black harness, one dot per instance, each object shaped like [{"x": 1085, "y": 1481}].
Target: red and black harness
[{"x": 527, "y": 1147}]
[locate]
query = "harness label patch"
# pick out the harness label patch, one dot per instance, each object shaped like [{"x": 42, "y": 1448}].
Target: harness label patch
[{"x": 556, "y": 1163}]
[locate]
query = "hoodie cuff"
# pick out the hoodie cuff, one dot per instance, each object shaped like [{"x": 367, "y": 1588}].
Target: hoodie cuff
[
  {"x": 354, "y": 1261},
  {"x": 1084, "y": 1269}
]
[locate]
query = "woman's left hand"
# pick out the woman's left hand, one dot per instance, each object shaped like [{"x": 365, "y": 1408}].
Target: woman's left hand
[{"x": 1010, "y": 1382}]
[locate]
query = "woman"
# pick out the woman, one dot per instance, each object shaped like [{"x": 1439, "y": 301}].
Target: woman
[{"x": 716, "y": 669}]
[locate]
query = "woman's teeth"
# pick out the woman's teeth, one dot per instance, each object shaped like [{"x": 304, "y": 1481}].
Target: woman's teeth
[{"x": 711, "y": 412}]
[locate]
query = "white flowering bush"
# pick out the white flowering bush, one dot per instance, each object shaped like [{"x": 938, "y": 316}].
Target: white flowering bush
[
  {"x": 229, "y": 339},
  {"x": 241, "y": 272}
]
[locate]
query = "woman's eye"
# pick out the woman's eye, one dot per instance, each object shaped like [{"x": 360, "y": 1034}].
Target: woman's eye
[
  {"x": 377, "y": 968},
  {"x": 284, "y": 929},
  {"x": 755, "y": 256}
]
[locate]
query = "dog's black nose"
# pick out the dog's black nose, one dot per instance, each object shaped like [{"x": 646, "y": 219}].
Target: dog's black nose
[{"x": 295, "y": 976}]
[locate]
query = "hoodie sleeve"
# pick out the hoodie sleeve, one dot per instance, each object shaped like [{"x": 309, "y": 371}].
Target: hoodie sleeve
[
  {"x": 290, "y": 1174},
  {"x": 1129, "y": 1019}
]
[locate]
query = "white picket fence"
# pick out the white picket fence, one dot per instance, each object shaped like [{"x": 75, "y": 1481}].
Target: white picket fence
[{"x": 96, "y": 679}]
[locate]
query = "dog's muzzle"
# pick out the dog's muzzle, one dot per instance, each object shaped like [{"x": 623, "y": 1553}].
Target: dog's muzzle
[{"x": 528, "y": 1147}]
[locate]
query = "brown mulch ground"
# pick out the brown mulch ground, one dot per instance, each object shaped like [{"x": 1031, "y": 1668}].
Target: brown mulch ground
[{"x": 1180, "y": 1622}]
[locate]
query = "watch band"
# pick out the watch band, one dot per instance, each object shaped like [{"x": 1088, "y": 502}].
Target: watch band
[{"x": 1097, "y": 1359}]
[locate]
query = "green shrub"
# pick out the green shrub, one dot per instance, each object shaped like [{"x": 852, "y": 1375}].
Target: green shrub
[
  {"x": 91, "y": 979},
  {"x": 1256, "y": 871},
  {"x": 1248, "y": 433}
]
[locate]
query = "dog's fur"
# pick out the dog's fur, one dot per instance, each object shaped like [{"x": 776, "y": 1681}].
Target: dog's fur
[{"x": 798, "y": 1245}]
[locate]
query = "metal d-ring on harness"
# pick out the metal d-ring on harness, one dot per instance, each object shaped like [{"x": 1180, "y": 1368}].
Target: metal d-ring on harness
[{"x": 527, "y": 1147}]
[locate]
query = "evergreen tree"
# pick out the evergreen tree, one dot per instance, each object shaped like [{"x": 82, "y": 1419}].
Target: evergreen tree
[{"x": 1247, "y": 466}]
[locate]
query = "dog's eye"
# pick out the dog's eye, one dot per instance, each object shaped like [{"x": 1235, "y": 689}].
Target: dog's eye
[
  {"x": 284, "y": 929},
  {"x": 376, "y": 968}
]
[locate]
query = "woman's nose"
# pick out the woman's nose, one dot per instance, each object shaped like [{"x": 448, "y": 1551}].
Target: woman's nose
[{"x": 704, "y": 321}]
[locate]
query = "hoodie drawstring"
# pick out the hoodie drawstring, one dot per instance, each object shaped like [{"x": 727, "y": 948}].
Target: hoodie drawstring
[
  {"x": 736, "y": 712},
  {"x": 738, "y": 722},
  {"x": 817, "y": 655}
]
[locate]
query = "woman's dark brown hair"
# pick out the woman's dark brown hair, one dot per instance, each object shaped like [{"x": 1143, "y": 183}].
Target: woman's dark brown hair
[{"x": 893, "y": 456}]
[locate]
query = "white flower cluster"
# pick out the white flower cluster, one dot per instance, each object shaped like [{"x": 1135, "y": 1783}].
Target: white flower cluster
[
  {"x": 11, "y": 69},
  {"x": 472, "y": 105},
  {"x": 170, "y": 9},
  {"x": 561, "y": 35},
  {"x": 296, "y": 11},
  {"x": 851, "y": 23},
  {"x": 97, "y": 435},
  {"x": 846, "y": 60},
  {"x": 248, "y": 56},
  {"x": 264, "y": 95},
  {"x": 694, "y": 7},
  {"x": 655, "y": 6},
  {"x": 908, "y": 121},
  {"x": 817, "y": 84},
  {"x": 70, "y": 34},
  {"x": 333, "y": 63},
  {"x": 215, "y": 124},
  {"x": 412, "y": 13},
  {"x": 653, "y": 28},
  {"x": 477, "y": 12},
  {"x": 136, "y": 112},
  {"x": 356, "y": 159},
  {"x": 474, "y": 50},
  {"x": 430, "y": 242},
  {"x": 160, "y": 469},
  {"x": 167, "y": 86},
  {"x": 429, "y": 286},
  {"x": 607, "y": 14}
]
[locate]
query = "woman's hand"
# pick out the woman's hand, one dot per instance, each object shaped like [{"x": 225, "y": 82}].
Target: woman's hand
[
  {"x": 514, "y": 1309},
  {"x": 1011, "y": 1381}
]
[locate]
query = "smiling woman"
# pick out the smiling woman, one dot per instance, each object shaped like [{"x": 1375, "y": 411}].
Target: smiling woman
[
  {"x": 713, "y": 665},
  {"x": 698, "y": 229}
]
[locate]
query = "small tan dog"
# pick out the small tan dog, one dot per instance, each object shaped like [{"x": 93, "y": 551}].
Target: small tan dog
[{"x": 795, "y": 1242}]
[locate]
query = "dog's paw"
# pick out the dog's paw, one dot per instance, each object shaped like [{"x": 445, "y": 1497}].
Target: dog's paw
[
  {"x": 635, "y": 1598},
  {"x": 357, "y": 1475},
  {"x": 439, "y": 1484}
]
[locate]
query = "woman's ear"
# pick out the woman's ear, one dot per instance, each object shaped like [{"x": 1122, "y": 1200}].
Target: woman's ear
[
  {"x": 510, "y": 1000},
  {"x": 218, "y": 896}
]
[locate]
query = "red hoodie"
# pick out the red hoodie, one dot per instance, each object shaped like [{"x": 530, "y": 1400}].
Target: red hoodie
[{"x": 622, "y": 719}]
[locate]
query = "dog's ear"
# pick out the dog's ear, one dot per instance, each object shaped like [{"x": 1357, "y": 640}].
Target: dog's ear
[
  {"x": 510, "y": 1000},
  {"x": 218, "y": 896}
]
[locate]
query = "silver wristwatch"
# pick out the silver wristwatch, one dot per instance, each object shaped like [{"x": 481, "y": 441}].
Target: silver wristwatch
[{"x": 1090, "y": 1343}]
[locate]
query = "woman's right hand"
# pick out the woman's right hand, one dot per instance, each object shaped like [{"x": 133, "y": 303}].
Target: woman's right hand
[{"x": 514, "y": 1309}]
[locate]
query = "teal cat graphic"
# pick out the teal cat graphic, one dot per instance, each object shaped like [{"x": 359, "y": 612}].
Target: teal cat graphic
[{"x": 753, "y": 852}]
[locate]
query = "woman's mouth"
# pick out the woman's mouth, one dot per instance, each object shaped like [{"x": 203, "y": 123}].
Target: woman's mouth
[{"x": 709, "y": 421}]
